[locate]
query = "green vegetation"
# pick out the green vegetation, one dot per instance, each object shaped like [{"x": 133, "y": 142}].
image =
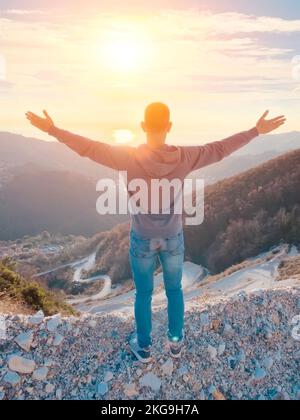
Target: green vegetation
[{"x": 30, "y": 293}]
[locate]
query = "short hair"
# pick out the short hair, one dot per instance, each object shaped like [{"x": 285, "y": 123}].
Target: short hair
[{"x": 157, "y": 116}]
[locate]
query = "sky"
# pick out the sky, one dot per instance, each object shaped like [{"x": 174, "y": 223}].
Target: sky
[{"x": 95, "y": 65}]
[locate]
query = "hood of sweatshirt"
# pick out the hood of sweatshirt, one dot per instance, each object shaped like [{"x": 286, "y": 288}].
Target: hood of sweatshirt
[{"x": 158, "y": 163}]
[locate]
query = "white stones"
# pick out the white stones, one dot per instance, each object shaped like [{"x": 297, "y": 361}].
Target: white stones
[
  {"x": 241, "y": 357},
  {"x": 12, "y": 378},
  {"x": 212, "y": 389},
  {"x": 202, "y": 396},
  {"x": 130, "y": 390},
  {"x": 259, "y": 374},
  {"x": 221, "y": 349},
  {"x": 212, "y": 351},
  {"x": 168, "y": 367},
  {"x": 215, "y": 366},
  {"x": 37, "y": 319},
  {"x": 93, "y": 323},
  {"x": 21, "y": 365},
  {"x": 228, "y": 330},
  {"x": 102, "y": 388},
  {"x": 40, "y": 374},
  {"x": 108, "y": 377},
  {"x": 204, "y": 320},
  {"x": 53, "y": 323},
  {"x": 24, "y": 340},
  {"x": 152, "y": 381},
  {"x": 58, "y": 339},
  {"x": 76, "y": 332},
  {"x": 49, "y": 363},
  {"x": 187, "y": 378},
  {"x": 278, "y": 356},
  {"x": 268, "y": 363},
  {"x": 58, "y": 394},
  {"x": 49, "y": 388},
  {"x": 183, "y": 370}
]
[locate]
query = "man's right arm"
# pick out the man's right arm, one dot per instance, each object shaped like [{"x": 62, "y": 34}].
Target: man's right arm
[{"x": 115, "y": 157}]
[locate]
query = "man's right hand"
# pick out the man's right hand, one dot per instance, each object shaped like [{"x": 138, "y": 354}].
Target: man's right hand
[{"x": 41, "y": 123}]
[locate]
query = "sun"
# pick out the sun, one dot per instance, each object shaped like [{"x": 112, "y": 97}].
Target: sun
[
  {"x": 126, "y": 50},
  {"x": 123, "y": 136},
  {"x": 124, "y": 55}
]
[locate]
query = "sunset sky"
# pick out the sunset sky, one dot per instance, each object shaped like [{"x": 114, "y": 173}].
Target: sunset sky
[{"x": 95, "y": 65}]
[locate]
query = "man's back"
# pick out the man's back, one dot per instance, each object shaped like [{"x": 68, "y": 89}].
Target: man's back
[{"x": 148, "y": 164}]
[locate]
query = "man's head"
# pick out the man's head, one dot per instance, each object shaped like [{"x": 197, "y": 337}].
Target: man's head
[{"x": 157, "y": 124}]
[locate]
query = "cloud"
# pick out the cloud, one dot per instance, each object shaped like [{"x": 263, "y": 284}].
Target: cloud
[
  {"x": 194, "y": 23},
  {"x": 296, "y": 68},
  {"x": 49, "y": 76},
  {"x": 21, "y": 12},
  {"x": 5, "y": 86}
]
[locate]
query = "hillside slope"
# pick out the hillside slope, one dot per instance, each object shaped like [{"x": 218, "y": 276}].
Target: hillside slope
[
  {"x": 37, "y": 200},
  {"x": 24, "y": 295},
  {"x": 248, "y": 214},
  {"x": 243, "y": 347},
  {"x": 17, "y": 151}
]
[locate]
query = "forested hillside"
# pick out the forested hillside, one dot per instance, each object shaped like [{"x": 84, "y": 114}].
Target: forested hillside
[{"x": 248, "y": 214}]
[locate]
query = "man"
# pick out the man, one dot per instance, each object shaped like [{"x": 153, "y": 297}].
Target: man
[{"x": 156, "y": 236}]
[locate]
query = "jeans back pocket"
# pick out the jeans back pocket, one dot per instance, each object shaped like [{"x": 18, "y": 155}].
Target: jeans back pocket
[{"x": 175, "y": 245}]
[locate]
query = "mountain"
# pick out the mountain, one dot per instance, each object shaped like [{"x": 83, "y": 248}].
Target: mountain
[
  {"x": 279, "y": 143},
  {"x": 34, "y": 200},
  {"x": 35, "y": 194},
  {"x": 231, "y": 166},
  {"x": 260, "y": 150},
  {"x": 16, "y": 150}
]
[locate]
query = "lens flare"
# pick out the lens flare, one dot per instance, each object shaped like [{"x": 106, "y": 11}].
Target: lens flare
[{"x": 123, "y": 136}]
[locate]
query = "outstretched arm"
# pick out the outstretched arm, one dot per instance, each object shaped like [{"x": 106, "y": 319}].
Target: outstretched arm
[
  {"x": 201, "y": 156},
  {"x": 115, "y": 157}
]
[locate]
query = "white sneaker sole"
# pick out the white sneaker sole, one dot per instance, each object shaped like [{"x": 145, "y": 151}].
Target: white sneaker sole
[
  {"x": 140, "y": 359},
  {"x": 175, "y": 356}
]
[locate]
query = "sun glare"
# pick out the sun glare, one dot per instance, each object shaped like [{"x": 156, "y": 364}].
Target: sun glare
[
  {"x": 125, "y": 50},
  {"x": 124, "y": 55},
  {"x": 123, "y": 136}
]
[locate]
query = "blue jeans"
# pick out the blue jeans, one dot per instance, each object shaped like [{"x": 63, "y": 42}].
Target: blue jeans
[{"x": 144, "y": 254}]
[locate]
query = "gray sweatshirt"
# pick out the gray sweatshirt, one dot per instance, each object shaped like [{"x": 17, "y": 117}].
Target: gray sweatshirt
[{"x": 144, "y": 162}]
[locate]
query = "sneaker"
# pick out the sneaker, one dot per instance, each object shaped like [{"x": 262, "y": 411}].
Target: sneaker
[
  {"x": 143, "y": 355},
  {"x": 176, "y": 349}
]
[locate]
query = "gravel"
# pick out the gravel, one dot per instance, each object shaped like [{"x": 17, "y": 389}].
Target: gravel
[{"x": 238, "y": 348}]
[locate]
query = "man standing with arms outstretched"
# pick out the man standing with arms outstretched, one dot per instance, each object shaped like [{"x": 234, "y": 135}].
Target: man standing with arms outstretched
[{"x": 156, "y": 236}]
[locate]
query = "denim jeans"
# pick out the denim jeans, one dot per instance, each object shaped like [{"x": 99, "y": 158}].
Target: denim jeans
[{"x": 144, "y": 255}]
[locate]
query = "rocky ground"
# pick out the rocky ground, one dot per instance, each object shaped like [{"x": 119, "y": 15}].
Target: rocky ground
[{"x": 243, "y": 347}]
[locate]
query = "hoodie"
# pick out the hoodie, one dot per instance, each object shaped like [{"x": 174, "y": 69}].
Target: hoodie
[{"x": 147, "y": 164}]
